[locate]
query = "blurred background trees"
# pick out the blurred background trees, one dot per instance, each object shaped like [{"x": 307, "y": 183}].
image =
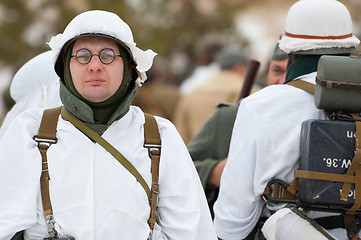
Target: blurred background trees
[
  {"x": 175, "y": 29},
  {"x": 171, "y": 28}
]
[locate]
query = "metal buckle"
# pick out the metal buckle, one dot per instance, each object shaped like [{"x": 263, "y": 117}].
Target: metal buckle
[
  {"x": 269, "y": 199},
  {"x": 150, "y": 235},
  {"x": 50, "y": 223},
  {"x": 45, "y": 141},
  {"x": 152, "y": 189},
  {"x": 152, "y": 147}
]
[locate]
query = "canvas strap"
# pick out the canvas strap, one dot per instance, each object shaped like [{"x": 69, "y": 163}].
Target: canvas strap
[
  {"x": 47, "y": 136},
  {"x": 355, "y": 161},
  {"x": 338, "y": 85},
  {"x": 153, "y": 143},
  {"x": 306, "y": 86},
  {"x": 105, "y": 144}
]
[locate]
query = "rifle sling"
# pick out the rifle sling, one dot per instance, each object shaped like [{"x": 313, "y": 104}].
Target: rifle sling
[{"x": 105, "y": 144}]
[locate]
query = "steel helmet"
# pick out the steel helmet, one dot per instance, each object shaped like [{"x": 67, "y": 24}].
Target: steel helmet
[
  {"x": 318, "y": 27},
  {"x": 102, "y": 23}
]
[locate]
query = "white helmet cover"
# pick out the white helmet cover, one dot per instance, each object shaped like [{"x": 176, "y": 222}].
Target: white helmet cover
[
  {"x": 108, "y": 24},
  {"x": 318, "y": 24}
]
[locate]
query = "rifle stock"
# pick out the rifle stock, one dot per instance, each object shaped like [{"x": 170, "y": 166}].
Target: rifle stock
[{"x": 249, "y": 78}]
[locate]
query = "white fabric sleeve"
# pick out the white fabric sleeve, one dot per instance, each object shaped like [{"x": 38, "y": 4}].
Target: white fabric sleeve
[
  {"x": 20, "y": 169},
  {"x": 237, "y": 209},
  {"x": 183, "y": 210}
]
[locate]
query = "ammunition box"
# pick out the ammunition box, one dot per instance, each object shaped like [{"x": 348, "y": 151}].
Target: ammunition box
[{"x": 326, "y": 146}]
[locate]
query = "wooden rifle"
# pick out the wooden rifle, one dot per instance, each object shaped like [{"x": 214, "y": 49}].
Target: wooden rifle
[{"x": 249, "y": 78}]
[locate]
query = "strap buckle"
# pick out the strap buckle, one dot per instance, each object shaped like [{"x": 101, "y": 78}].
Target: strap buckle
[
  {"x": 155, "y": 187},
  {"x": 150, "y": 236},
  {"x": 279, "y": 194},
  {"x": 152, "y": 147},
  {"x": 45, "y": 141},
  {"x": 50, "y": 223}
]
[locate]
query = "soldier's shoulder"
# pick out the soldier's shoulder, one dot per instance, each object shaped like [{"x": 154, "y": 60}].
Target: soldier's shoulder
[
  {"x": 227, "y": 110},
  {"x": 228, "y": 105}
]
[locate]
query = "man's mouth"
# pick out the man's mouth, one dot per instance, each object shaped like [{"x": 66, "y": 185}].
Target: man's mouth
[{"x": 95, "y": 81}]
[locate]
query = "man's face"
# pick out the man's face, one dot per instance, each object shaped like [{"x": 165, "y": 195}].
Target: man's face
[
  {"x": 277, "y": 72},
  {"x": 96, "y": 81}
]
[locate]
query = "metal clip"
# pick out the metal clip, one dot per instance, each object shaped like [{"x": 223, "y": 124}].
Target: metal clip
[
  {"x": 150, "y": 237},
  {"x": 45, "y": 141},
  {"x": 153, "y": 190},
  {"x": 50, "y": 223},
  {"x": 152, "y": 147}
]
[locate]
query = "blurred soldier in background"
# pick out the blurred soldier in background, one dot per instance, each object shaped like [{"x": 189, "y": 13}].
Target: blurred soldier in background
[
  {"x": 156, "y": 96},
  {"x": 205, "y": 68},
  {"x": 209, "y": 147},
  {"x": 194, "y": 108},
  {"x": 276, "y": 70},
  {"x": 34, "y": 85}
]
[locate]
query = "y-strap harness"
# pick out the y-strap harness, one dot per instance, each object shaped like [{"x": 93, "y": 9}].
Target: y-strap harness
[
  {"x": 287, "y": 193},
  {"x": 47, "y": 136}
]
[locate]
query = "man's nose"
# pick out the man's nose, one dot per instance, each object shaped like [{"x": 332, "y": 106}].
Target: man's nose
[{"x": 95, "y": 64}]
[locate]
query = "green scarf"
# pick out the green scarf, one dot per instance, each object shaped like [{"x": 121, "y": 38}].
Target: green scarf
[
  {"x": 97, "y": 116},
  {"x": 299, "y": 65}
]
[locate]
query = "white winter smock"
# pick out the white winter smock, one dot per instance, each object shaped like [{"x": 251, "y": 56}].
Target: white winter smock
[
  {"x": 35, "y": 85},
  {"x": 93, "y": 196},
  {"x": 265, "y": 145}
]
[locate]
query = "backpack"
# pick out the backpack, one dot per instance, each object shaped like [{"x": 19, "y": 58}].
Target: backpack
[{"x": 329, "y": 175}]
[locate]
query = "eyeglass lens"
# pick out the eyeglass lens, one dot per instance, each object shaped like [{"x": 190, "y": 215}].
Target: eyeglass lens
[{"x": 84, "y": 56}]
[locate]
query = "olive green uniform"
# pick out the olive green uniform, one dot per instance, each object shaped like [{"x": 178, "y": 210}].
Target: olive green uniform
[{"x": 211, "y": 145}]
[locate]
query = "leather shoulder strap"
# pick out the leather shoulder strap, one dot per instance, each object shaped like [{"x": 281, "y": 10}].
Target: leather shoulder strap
[
  {"x": 306, "y": 86},
  {"x": 46, "y": 136},
  {"x": 152, "y": 141}
]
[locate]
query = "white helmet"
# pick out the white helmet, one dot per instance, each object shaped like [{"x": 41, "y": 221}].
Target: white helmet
[
  {"x": 318, "y": 27},
  {"x": 97, "y": 22}
]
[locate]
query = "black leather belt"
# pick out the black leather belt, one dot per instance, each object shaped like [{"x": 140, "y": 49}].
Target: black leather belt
[{"x": 333, "y": 222}]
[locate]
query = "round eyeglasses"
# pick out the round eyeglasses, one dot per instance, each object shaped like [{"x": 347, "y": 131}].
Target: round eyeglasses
[{"x": 84, "y": 56}]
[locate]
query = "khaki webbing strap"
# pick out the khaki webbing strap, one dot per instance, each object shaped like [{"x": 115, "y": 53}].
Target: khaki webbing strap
[
  {"x": 333, "y": 177},
  {"x": 350, "y": 225},
  {"x": 306, "y": 86},
  {"x": 152, "y": 141},
  {"x": 355, "y": 161},
  {"x": 281, "y": 192},
  {"x": 46, "y": 136},
  {"x": 113, "y": 151},
  {"x": 292, "y": 188},
  {"x": 357, "y": 202},
  {"x": 48, "y": 124}
]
